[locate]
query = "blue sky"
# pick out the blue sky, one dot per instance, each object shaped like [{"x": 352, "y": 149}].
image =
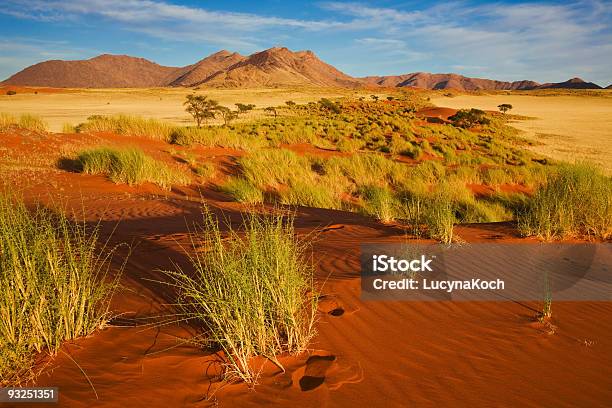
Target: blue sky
[{"x": 506, "y": 40}]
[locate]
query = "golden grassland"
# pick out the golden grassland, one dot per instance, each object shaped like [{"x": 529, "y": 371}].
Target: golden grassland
[
  {"x": 76, "y": 105},
  {"x": 390, "y": 163},
  {"x": 568, "y": 126}
]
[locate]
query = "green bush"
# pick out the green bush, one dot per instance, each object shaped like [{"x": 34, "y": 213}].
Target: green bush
[
  {"x": 379, "y": 202},
  {"x": 127, "y": 125},
  {"x": 242, "y": 191},
  {"x": 253, "y": 293},
  {"x": 25, "y": 121},
  {"x": 53, "y": 285},
  {"x": 129, "y": 166},
  {"x": 576, "y": 201}
]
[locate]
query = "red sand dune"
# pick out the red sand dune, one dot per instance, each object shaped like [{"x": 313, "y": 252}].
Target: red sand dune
[{"x": 391, "y": 354}]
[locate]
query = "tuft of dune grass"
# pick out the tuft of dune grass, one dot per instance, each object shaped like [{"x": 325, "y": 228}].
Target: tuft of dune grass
[
  {"x": 129, "y": 166},
  {"x": 128, "y": 125},
  {"x": 252, "y": 292},
  {"x": 577, "y": 201},
  {"x": 53, "y": 285},
  {"x": 25, "y": 121}
]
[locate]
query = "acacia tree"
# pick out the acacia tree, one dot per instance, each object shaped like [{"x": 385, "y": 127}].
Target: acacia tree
[
  {"x": 201, "y": 108},
  {"x": 227, "y": 114},
  {"x": 330, "y": 105},
  {"x": 466, "y": 118},
  {"x": 504, "y": 107},
  {"x": 244, "y": 108}
]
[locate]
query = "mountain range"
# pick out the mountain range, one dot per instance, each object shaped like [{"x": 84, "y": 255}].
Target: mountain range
[{"x": 274, "y": 67}]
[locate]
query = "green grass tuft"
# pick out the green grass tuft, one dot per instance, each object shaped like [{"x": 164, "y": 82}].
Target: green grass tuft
[
  {"x": 129, "y": 166},
  {"x": 242, "y": 191},
  {"x": 26, "y": 121},
  {"x": 128, "y": 125},
  {"x": 53, "y": 286},
  {"x": 254, "y": 293},
  {"x": 577, "y": 201}
]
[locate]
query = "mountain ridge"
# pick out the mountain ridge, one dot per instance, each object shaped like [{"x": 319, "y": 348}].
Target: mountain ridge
[{"x": 274, "y": 67}]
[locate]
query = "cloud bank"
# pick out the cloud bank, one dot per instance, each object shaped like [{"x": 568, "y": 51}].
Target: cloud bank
[{"x": 510, "y": 41}]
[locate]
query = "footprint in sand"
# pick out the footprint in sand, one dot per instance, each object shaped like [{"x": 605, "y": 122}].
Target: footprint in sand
[
  {"x": 316, "y": 368},
  {"x": 325, "y": 372},
  {"x": 330, "y": 305}
]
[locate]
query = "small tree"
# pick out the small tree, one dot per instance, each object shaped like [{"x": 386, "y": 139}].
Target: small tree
[
  {"x": 201, "y": 108},
  {"x": 290, "y": 103},
  {"x": 390, "y": 98},
  {"x": 504, "y": 107},
  {"x": 330, "y": 105},
  {"x": 244, "y": 108},
  {"x": 227, "y": 114},
  {"x": 271, "y": 110},
  {"x": 375, "y": 97},
  {"x": 465, "y": 118},
  {"x": 11, "y": 92}
]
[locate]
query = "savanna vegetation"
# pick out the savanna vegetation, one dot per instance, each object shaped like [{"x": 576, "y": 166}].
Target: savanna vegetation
[
  {"x": 54, "y": 285},
  {"x": 252, "y": 292},
  {"x": 25, "y": 121},
  {"x": 129, "y": 166},
  {"x": 390, "y": 163}
]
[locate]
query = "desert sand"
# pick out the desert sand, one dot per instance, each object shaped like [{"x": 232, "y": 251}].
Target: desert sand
[
  {"x": 392, "y": 354},
  {"x": 565, "y": 127}
]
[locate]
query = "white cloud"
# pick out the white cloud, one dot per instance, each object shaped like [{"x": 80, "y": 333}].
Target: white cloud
[{"x": 541, "y": 41}]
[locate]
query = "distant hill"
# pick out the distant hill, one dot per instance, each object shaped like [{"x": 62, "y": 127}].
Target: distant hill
[
  {"x": 104, "y": 71},
  {"x": 609, "y": 86},
  {"x": 202, "y": 70},
  {"x": 446, "y": 81},
  {"x": 574, "y": 83},
  {"x": 281, "y": 67},
  {"x": 274, "y": 67}
]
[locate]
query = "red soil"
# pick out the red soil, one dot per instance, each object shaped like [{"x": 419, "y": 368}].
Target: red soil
[{"x": 366, "y": 353}]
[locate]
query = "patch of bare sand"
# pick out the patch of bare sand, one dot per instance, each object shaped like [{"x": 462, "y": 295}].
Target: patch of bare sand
[{"x": 566, "y": 127}]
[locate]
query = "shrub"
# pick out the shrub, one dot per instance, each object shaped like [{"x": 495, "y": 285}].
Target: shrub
[
  {"x": 206, "y": 170},
  {"x": 379, "y": 202},
  {"x": 53, "y": 285},
  {"x": 11, "y": 92},
  {"x": 68, "y": 128},
  {"x": 201, "y": 108},
  {"x": 32, "y": 122},
  {"x": 330, "y": 105},
  {"x": 466, "y": 118},
  {"x": 272, "y": 167},
  {"x": 575, "y": 201},
  {"x": 242, "y": 191},
  {"x": 253, "y": 295},
  {"x": 127, "y": 125},
  {"x": 129, "y": 166},
  {"x": 318, "y": 195},
  {"x": 25, "y": 121},
  {"x": 7, "y": 121}
]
